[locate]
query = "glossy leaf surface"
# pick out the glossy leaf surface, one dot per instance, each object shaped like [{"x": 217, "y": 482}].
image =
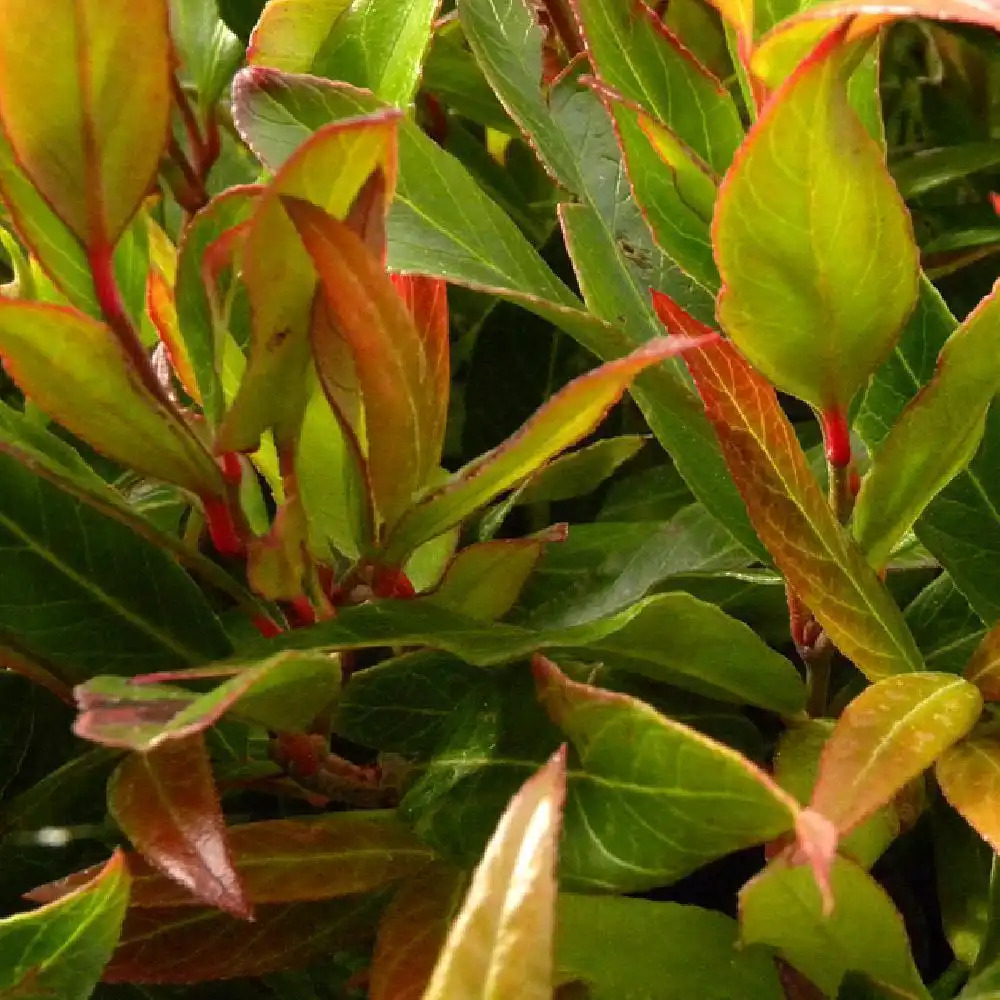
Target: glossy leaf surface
[
  {"x": 60, "y": 949},
  {"x": 834, "y": 265},
  {"x": 500, "y": 943},
  {"x": 886, "y": 736},
  {"x": 86, "y": 108},
  {"x": 790, "y": 512},
  {"x": 969, "y": 776},
  {"x": 165, "y": 802}
]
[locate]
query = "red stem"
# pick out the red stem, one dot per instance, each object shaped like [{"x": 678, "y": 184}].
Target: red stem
[
  {"x": 188, "y": 118},
  {"x": 836, "y": 437},
  {"x": 222, "y": 527}
]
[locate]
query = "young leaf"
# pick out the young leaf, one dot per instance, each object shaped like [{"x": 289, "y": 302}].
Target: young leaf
[
  {"x": 969, "y": 776},
  {"x": 570, "y": 415},
  {"x": 412, "y": 932},
  {"x": 285, "y": 692},
  {"x": 60, "y": 949},
  {"x": 165, "y": 803},
  {"x": 47, "y": 348},
  {"x": 86, "y": 107},
  {"x": 886, "y": 736},
  {"x": 402, "y": 378},
  {"x": 935, "y": 437},
  {"x": 500, "y": 943},
  {"x": 789, "y": 511},
  {"x": 279, "y": 275},
  {"x": 810, "y": 201},
  {"x": 714, "y": 801},
  {"x": 782, "y": 908}
]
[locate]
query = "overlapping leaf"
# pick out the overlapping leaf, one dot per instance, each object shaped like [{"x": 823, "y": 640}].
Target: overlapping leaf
[
  {"x": 887, "y": 736},
  {"x": 789, "y": 511},
  {"x": 969, "y": 776},
  {"x": 813, "y": 242},
  {"x": 500, "y": 943}
]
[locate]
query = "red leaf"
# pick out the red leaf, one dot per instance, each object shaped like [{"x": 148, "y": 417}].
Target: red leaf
[{"x": 166, "y": 803}]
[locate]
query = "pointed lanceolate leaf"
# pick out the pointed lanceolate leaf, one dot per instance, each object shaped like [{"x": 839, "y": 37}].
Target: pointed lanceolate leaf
[
  {"x": 412, "y": 932},
  {"x": 935, "y": 437},
  {"x": 570, "y": 415},
  {"x": 888, "y": 735},
  {"x": 789, "y": 511},
  {"x": 500, "y": 944},
  {"x": 329, "y": 170},
  {"x": 74, "y": 368},
  {"x": 285, "y": 692},
  {"x": 813, "y": 241},
  {"x": 86, "y": 106},
  {"x": 690, "y": 799},
  {"x": 60, "y": 949},
  {"x": 402, "y": 378},
  {"x": 969, "y": 776},
  {"x": 165, "y": 802},
  {"x": 782, "y": 908}
]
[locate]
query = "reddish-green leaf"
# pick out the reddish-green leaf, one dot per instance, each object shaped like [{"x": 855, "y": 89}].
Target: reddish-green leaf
[
  {"x": 187, "y": 945},
  {"x": 58, "y": 951},
  {"x": 500, "y": 944},
  {"x": 782, "y": 908},
  {"x": 569, "y": 415},
  {"x": 165, "y": 802},
  {"x": 290, "y": 33},
  {"x": 984, "y": 667},
  {"x": 969, "y": 776},
  {"x": 936, "y": 436},
  {"x": 789, "y": 511},
  {"x": 285, "y": 692},
  {"x": 286, "y": 861},
  {"x": 86, "y": 105},
  {"x": 812, "y": 239},
  {"x": 888, "y": 735},
  {"x": 401, "y": 375},
  {"x": 47, "y": 349},
  {"x": 329, "y": 170},
  {"x": 412, "y": 932}
]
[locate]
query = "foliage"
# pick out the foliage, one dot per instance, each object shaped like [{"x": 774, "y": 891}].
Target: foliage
[{"x": 499, "y": 499}]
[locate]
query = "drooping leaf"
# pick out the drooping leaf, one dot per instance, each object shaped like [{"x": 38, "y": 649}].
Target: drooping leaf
[
  {"x": 279, "y": 275},
  {"x": 782, "y": 908},
  {"x": 789, "y": 511},
  {"x": 186, "y": 945},
  {"x": 284, "y": 692},
  {"x": 569, "y": 415},
  {"x": 935, "y": 437},
  {"x": 47, "y": 348},
  {"x": 402, "y": 378},
  {"x": 412, "y": 932},
  {"x": 500, "y": 943},
  {"x": 86, "y": 594},
  {"x": 969, "y": 776},
  {"x": 165, "y": 802},
  {"x": 886, "y": 736},
  {"x": 834, "y": 273},
  {"x": 619, "y": 947},
  {"x": 86, "y": 107},
  {"x": 60, "y": 949},
  {"x": 714, "y": 801}
]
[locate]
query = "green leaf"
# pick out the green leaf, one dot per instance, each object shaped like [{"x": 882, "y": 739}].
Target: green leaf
[
  {"x": 969, "y": 776},
  {"x": 782, "y": 908},
  {"x": 289, "y": 33},
  {"x": 165, "y": 802},
  {"x": 285, "y": 692},
  {"x": 638, "y": 820},
  {"x": 810, "y": 202},
  {"x": 580, "y": 472},
  {"x": 568, "y": 416},
  {"x": 888, "y": 735},
  {"x": 500, "y": 943},
  {"x": 88, "y": 595},
  {"x": 46, "y": 348},
  {"x": 208, "y": 50},
  {"x": 60, "y": 949},
  {"x": 621, "y": 947},
  {"x": 928, "y": 169},
  {"x": 946, "y": 628},
  {"x": 86, "y": 107},
  {"x": 934, "y": 438}
]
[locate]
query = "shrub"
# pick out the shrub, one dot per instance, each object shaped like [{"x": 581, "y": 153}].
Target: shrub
[{"x": 359, "y": 638}]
